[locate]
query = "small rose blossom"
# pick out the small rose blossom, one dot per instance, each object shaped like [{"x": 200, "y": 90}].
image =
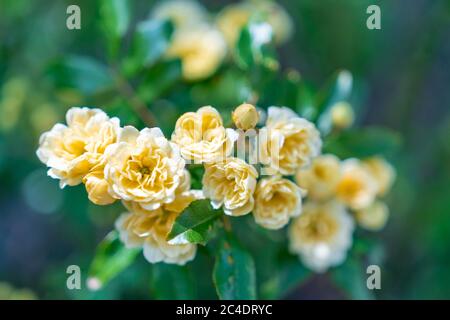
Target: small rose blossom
[
  {"x": 144, "y": 167},
  {"x": 230, "y": 184},
  {"x": 374, "y": 217},
  {"x": 321, "y": 178},
  {"x": 71, "y": 151},
  {"x": 321, "y": 235},
  {"x": 288, "y": 142},
  {"x": 356, "y": 188},
  {"x": 276, "y": 201},
  {"x": 383, "y": 172},
  {"x": 150, "y": 231},
  {"x": 201, "y": 49},
  {"x": 234, "y": 17},
  {"x": 202, "y": 137}
]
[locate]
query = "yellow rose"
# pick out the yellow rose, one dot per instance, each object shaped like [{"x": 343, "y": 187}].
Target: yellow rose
[
  {"x": 144, "y": 167},
  {"x": 231, "y": 20},
  {"x": 150, "y": 231},
  {"x": 321, "y": 178},
  {"x": 356, "y": 188},
  {"x": 231, "y": 184},
  {"x": 72, "y": 151},
  {"x": 183, "y": 13},
  {"x": 149, "y": 228},
  {"x": 278, "y": 18},
  {"x": 383, "y": 173},
  {"x": 321, "y": 235},
  {"x": 183, "y": 198},
  {"x": 202, "y": 137},
  {"x": 276, "y": 201},
  {"x": 201, "y": 49},
  {"x": 288, "y": 142},
  {"x": 97, "y": 187},
  {"x": 374, "y": 217},
  {"x": 234, "y": 17}
]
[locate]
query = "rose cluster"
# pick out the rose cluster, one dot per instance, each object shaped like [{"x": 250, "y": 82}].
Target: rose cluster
[
  {"x": 150, "y": 175},
  {"x": 339, "y": 192}
]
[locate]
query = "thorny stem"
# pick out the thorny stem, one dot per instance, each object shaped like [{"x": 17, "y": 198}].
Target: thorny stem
[{"x": 134, "y": 101}]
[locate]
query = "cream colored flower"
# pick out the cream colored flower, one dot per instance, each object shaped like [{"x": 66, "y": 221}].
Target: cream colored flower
[
  {"x": 97, "y": 187},
  {"x": 231, "y": 184},
  {"x": 276, "y": 201},
  {"x": 183, "y": 198},
  {"x": 202, "y": 137},
  {"x": 278, "y": 18},
  {"x": 342, "y": 115},
  {"x": 201, "y": 49},
  {"x": 150, "y": 231},
  {"x": 144, "y": 167},
  {"x": 288, "y": 142},
  {"x": 321, "y": 235},
  {"x": 321, "y": 178},
  {"x": 183, "y": 13},
  {"x": 72, "y": 151},
  {"x": 149, "y": 228},
  {"x": 383, "y": 173},
  {"x": 374, "y": 217},
  {"x": 233, "y": 18},
  {"x": 357, "y": 188}
]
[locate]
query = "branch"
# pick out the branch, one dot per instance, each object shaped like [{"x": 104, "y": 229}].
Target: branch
[{"x": 134, "y": 101}]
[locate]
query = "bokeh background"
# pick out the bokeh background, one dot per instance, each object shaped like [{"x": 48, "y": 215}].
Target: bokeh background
[{"x": 402, "y": 82}]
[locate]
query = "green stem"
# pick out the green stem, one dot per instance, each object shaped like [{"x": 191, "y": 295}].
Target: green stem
[{"x": 138, "y": 106}]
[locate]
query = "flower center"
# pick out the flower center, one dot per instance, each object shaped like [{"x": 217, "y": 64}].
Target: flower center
[
  {"x": 349, "y": 188},
  {"x": 317, "y": 227}
]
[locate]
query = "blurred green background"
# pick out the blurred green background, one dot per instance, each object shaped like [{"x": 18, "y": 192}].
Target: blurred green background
[{"x": 402, "y": 82}]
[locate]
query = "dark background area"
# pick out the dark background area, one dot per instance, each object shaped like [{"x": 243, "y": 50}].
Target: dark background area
[{"x": 402, "y": 75}]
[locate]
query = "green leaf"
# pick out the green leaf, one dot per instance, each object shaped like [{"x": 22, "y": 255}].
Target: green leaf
[
  {"x": 337, "y": 90},
  {"x": 195, "y": 224},
  {"x": 234, "y": 271},
  {"x": 115, "y": 17},
  {"x": 197, "y": 171},
  {"x": 171, "y": 282},
  {"x": 288, "y": 275},
  {"x": 351, "y": 278},
  {"x": 159, "y": 78},
  {"x": 82, "y": 73},
  {"x": 115, "y": 20},
  {"x": 110, "y": 259},
  {"x": 361, "y": 143},
  {"x": 150, "y": 42},
  {"x": 255, "y": 47}
]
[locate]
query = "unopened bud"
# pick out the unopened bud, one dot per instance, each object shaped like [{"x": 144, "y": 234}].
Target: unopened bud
[
  {"x": 374, "y": 217},
  {"x": 342, "y": 115},
  {"x": 245, "y": 116}
]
